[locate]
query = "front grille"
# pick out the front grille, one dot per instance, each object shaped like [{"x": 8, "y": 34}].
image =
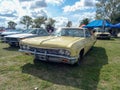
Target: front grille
[
  {"x": 103, "y": 34},
  {"x": 47, "y": 51},
  {"x": 11, "y": 39},
  {"x": 2, "y": 37}
]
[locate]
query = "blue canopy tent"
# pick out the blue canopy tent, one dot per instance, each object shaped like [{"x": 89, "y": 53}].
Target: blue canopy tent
[
  {"x": 98, "y": 23},
  {"x": 116, "y": 25}
]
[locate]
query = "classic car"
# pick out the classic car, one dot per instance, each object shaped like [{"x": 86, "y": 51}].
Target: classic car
[
  {"x": 9, "y": 32},
  {"x": 118, "y": 35},
  {"x": 102, "y": 34},
  {"x": 13, "y": 40},
  {"x": 65, "y": 45},
  {"x": 2, "y": 29}
]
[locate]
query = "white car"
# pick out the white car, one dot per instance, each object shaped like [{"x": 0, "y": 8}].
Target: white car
[
  {"x": 13, "y": 40},
  {"x": 102, "y": 34},
  {"x": 118, "y": 35},
  {"x": 9, "y": 32}
]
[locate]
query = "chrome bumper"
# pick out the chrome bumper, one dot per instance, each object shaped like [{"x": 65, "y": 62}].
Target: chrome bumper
[{"x": 51, "y": 57}]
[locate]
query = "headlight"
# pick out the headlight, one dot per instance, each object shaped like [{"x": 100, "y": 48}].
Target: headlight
[
  {"x": 64, "y": 52},
  {"x": 26, "y": 47},
  {"x": 19, "y": 39},
  {"x": 98, "y": 34},
  {"x": 67, "y": 53},
  {"x": 61, "y": 51}
]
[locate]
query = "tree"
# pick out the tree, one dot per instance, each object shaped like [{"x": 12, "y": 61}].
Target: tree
[
  {"x": 108, "y": 9},
  {"x": 39, "y": 21},
  {"x": 69, "y": 24},
  {"x": 84, "y": 21},
  {"x": 116, "y": 19},
  {"x": 12, "y": 24},
  {"x": 50, "y": 25},
  {"x": 27, "y": 21}
]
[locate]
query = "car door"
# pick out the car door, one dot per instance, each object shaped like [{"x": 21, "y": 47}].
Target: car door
[{"x": 88, "y": 39}]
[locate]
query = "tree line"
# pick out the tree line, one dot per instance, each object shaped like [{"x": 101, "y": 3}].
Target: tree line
[
  {"x": 105, "y": 9},
  {"x": 38, "y": 22}
]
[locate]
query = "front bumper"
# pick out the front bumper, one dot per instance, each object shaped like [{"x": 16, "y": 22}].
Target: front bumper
[
  {"x": 2, "y": 38},
  {"x": 51, "y": 57},
  {"x": 15, "y": 43},
  {"x": 103, "y": 37}
]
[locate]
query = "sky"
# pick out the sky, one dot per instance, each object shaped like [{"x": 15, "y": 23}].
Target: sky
[{"x": 60, "y": 10}]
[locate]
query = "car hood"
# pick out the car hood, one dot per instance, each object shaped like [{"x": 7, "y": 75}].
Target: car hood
[
  {"x": 102, "y": 33},
  {"x": 20, "y": 35},
  {"x": 8, "y": 33},
  {"x": 51, "y": 41}
]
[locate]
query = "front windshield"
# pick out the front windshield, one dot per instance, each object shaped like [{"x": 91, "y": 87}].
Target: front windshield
[
  {"x": 73, "y": 32},
  {"x": 32, "y": 31},
  {"x": 101, "y": 30},
  {"x": 14, "y": 30},
  {"x": 26, "y": 31}
]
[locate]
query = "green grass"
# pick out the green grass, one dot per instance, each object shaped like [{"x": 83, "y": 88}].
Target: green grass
[{"x": 100, "y": 70}]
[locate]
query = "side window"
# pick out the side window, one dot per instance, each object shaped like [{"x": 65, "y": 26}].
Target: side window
[
  {"x": 34, "y": 31},
  {"x": 87, "y": 33},
  {"x": 42, "y": 33}
]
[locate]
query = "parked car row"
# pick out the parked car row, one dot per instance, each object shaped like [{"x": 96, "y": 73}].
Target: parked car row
[
  {"x": 65, "y": 45},
  {"x": 10, "y": 32},
  {"x": 13, "y": 40}
]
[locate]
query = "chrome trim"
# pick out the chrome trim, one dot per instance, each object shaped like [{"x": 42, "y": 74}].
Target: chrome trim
[{"x": 27, "y": 51}]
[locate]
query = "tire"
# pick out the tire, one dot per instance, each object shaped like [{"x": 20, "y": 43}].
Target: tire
[
  {"x": 36, "y": 60},
  {"x": 80, "y": 57},
  {"x": 11, "y": 45}
]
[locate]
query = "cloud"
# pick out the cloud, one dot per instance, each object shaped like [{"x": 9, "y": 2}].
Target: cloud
[
  {"x": 55, "y": 2},
  {"x": 89, "y": 3},
  {"x": 89, "y": 15},
  {"x": 80, "y": 5},
  {"x": 8, "y": 13},
  {"x": 25, "y": 0},
  {"x": 7, "y": 8},
  {"x": 39, "y": 12},
  {"x": 34, "y": 8},
  {"x": 60, "y": 21},
  {"x": 2, "y": 21},
  {"x": 38, "y": 4}
]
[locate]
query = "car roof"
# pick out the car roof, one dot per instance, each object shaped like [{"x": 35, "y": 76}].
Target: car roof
[{"x": 72, "y": 28}]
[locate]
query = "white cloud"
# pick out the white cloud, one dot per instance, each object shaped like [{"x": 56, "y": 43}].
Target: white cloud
[
  {"x": 34, "y": 8},
  {"x": 38, "y": 12},
  {"x": 8, "y": 9},
  {"x": 15, "y": 9},
  {"x": 25, "y": 0},
  {"x": 89, "y": 15},
  {"x": 55, "y": 2},
  {"x": 38, "y": 4},
  {"x": 80, "y": 5},
  {"x": 60, "y": 21}
]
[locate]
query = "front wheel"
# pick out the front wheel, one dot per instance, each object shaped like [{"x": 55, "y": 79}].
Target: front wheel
[
  {"x": 11, "y": 45},
  {"x": 80, "y": 57},
  {"x": 36, "y": 61}
]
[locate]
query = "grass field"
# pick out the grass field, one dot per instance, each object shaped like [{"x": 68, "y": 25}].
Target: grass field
[{"x": 100, "y": 70}]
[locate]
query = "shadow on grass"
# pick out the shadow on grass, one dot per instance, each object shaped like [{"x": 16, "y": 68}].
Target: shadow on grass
[
  {"x": 84, "y": 77},
  {"x": 11, "y": 48},
  {"x": 111, "y": 39}
]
